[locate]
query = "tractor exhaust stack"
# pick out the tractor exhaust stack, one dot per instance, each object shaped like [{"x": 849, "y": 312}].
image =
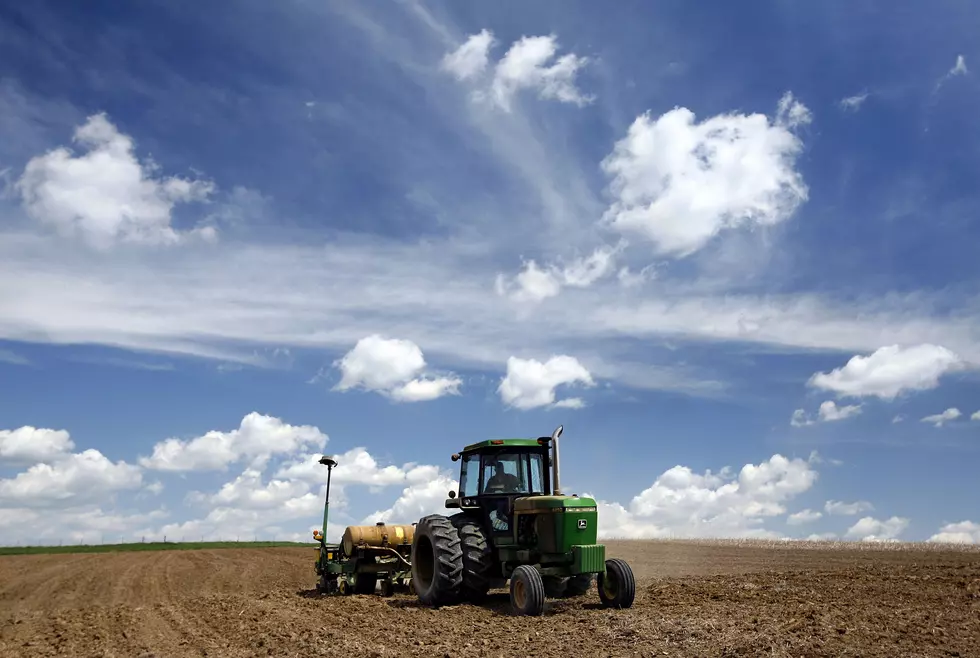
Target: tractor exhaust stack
[{"x": 555, "y": 469}]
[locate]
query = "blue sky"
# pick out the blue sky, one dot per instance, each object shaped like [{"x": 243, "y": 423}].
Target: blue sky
[{"x": 729, "y": 249}]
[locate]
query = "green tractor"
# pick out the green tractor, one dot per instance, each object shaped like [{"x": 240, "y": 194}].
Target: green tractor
[{"x": 515, "y": 523}]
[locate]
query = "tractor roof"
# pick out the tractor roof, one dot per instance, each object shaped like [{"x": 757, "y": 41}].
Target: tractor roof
[{"x": 502, "y": 443}]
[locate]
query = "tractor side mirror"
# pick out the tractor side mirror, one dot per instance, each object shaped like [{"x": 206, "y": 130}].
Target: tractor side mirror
[
  {"x": 455, "y": 457},
  {"x": 452, "y": 494}
]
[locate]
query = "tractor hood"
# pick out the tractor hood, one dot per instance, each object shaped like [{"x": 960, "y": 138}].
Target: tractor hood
[{"x": 554, "y": 504}]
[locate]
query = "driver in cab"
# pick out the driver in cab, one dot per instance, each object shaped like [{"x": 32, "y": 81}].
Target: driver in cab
[{"x": 501, "y": 482}]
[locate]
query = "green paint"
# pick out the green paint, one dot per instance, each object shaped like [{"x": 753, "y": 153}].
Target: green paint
[{"x": 588, "y": 559}]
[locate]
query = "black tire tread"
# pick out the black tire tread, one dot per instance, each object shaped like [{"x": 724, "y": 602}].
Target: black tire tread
[
  {"x": 448, "y": 560},
  {"x": 478, "y": 558},
  {"x": 535, "y": 590},
  {"x": 624, "y": 575}
]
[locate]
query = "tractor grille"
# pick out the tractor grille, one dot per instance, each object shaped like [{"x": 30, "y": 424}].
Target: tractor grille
[{"x": 588, "y": 559}]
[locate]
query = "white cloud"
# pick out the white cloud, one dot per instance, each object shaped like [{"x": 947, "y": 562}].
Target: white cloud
[
  {"x": 471, "y": 58},
  {"x": 248, "y": 491},
  {"x": 679, "y": 183},
  {"x": 89, "y": 524},
  {"x": 418, "y": 499},
  {"x": 32, "y": 444},
  {"x": 257, "y": 438},
  {"x": 803, "y": 516},
  {"x": 964, "y": 532},
  {"x": 534, "y": 284},
  {"x": 393, "y": 367},
  {"x": 529, "y": 64},
  {"x": 872, "y": 529},
  {"x": 70, "y": 480},
  {"x": 684, "y": 503},
  {"x": 853, "y": 103},
  {"x": 890, "y": 371},
  {"x": 800, "y": 419},
  {"x": 829, "y": 411},
  {"x": 13, "y": 358},
  {"x": 530, "y": 384},
  {"x": 106, "y": 195},
  {"x": 942, "y": 418},
  {"x": 841, "y": 508},
  {"x": 526, "y": 66},
  {"x": 975, "y": 415},
  {"x": 356, "y": 466},
  {"x": 960, "y": 67}
]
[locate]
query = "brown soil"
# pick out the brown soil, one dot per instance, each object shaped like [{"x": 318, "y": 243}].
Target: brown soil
[{"x": 693, "y": 599}]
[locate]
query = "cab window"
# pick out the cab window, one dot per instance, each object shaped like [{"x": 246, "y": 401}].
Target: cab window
[
  {"x": 469, "y": 476},
  {"x": 513, "y": 472}
]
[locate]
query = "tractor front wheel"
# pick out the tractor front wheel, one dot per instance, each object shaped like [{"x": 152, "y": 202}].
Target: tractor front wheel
[
  {"x": 437, "y": 561},
  {"x": 527, "y": 591},
  {"x": 617, "y": 587}
]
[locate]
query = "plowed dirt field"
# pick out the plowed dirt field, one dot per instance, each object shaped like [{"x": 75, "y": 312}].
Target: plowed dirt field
[{"x": 693, "y": 599}]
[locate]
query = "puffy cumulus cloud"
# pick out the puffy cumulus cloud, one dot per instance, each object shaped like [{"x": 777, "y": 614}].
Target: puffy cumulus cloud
[
  {"x": 828, "y": 412},
  {"x": 534, "y": 283},
  {"x": 975, "y": 415},
  {"x": 32, "y": 444},
  {"x": 257, "y": 438},
  {"x": 682, "y": 503},
  {"x": 943, "y": 417},
  {"x": 392, "y": 367},
  {"x": 250, "y": 505},
  {"x": 107, "y": 195},
  {"x": 88, "y": 524},
  {"x": 70, "y": 480},
  {"x": 234, "y": 523},
  {"x": 871, "y": 529},
  {"x": 471, "y": 58},
  {"x": 248, "y": 491},
  {"x": 529, "y": 64},
  {"x": 889, "y": 372},
  {"x": 840, "y": 508},
  {"x": 804, "y": 516},
  {"x": 426, "y": 496},
  {"x": 356, "y": 466},
  {"x": 530, "y": 384},
  {"x": 964, "y": 532},
  {"x": 679, "y": 183}
]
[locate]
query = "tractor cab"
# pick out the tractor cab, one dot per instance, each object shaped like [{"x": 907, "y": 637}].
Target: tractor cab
[{"x": 495, "y": 473}]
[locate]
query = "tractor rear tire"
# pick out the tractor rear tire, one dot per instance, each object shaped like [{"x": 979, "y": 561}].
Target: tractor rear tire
[
  {"x": 477, "y": 558},
  {"x": 437, "y": 561},
  {"x": 578, "y": 585},
  {"x": 527, "y": 591},
  {"x": 617, "y": 587}
]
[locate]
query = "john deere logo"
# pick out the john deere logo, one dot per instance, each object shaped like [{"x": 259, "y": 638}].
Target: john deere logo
[{"x": 582, "y": 523}]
